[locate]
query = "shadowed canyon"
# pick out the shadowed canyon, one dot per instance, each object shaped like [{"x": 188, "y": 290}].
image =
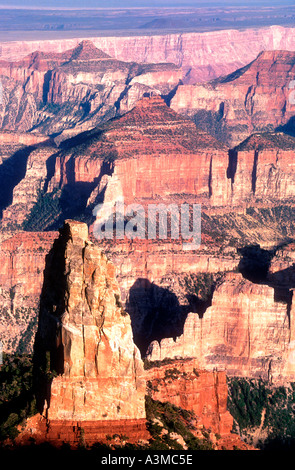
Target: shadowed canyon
[{"x": 127, "y": 331}]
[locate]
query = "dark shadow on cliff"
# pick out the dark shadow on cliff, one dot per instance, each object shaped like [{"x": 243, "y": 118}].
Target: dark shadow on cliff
[
  {"x": 284, "y": 277},
  {"x": 73, "y": 200},
  {"x": 12, "y": 171},
  {"x": 254, "y": 266},
  {"x": 169, "y": 96},
  {"x": 48, "y": 356},
  {"x": 255, "y": 262},
  {"x": 288, "y": 128},
  {"x": 156, "y": 313}
]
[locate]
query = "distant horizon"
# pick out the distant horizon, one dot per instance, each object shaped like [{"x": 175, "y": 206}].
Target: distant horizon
[
  {"x": 50, "y": 19},
  {"x": 137, "y": 4}
]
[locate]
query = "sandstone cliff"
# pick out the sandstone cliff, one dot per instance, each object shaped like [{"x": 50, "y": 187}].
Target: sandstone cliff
[
  {"x": 203, "y": 56},
  {"x": 149, "y": 154},
  {"x": 254, "y": 98},
  {"x": 262, "y": 169},
  {"x": 247, "y": 331},
  {"x": 89, "y": 375},
  {"x": 85, "y": 331},
  {"x": 154, "y": 155},
  {"x": 22, "y": 263},
  {"x": 81, "y": 87},
  {"x": 185, "y": 385}
]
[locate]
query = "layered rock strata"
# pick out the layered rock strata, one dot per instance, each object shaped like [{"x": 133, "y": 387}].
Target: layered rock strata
[
  {"x": 186, "y": 386},
  {"x": 255, "y": 98},
  {"x": 247, "y": 331},
  {"x": 204, "y": 55},
  {"x": 21, "y": 278},
  {"x": 79, "y": 88},
  {"x": 149, "y": 154},
  {"x": 86, "y": 336}
]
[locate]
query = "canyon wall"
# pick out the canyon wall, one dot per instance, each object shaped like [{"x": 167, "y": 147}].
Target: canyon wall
[
  {"x": 136, "y": 158},
  {"x": 247, "y": 331},
  {"x": 256, "y": 98},
  {"x": 67, "y": 93},
  {"x": 89, "y": 376},
  {"x": 21, "y": 278},
  {"x": 153, "y": 155},
  {"x": 203, "y": 56},
  {"x": 185, "y": 385},
  {"x": 149, "y": 154}
]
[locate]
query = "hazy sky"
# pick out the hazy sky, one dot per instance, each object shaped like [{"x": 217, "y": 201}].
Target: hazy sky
[{"x": 137, "y": 3}]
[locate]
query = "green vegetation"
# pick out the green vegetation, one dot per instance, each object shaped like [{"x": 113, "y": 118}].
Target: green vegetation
[
  {"x": 46, "y": 210},
  {"x": 164, "y": 419},
  {"x": 262, "y": 140},
  {"x": 247, "y": 399},
  {"x": 53, "y": 107},
  {"x": 257, "y": 403},
  {"x": 150, "y": 364},
  {"x": 274, "y": 225},
  {"x": 28, "y": 335},
  {"x": 200, "y": 284},
  {"x": 16, "y": 393},
  {"x": 172, "y": 374}
]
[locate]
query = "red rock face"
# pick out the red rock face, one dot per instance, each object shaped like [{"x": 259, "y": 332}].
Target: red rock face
[
  {"x": 245, "y": 332},
  {"x": 185, "y": 385},
  {"x": 207, "y": 55},
  {"x": 22, "y": 259},
  {"x": 263, "y": 169},
  {"x": 252, "y": 99},
  {"x": 14, "y": 138},
  {"x": 149, "y": 154},
  {"x": 77, "y": 433},
  {"x": 87, "y": 334},
  {"x": 138, "y": 160}
]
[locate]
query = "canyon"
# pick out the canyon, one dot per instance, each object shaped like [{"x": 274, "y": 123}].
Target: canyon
[
  {"x": 247, "y": 331},
  {"x": 255, "y": 98},
  {"x": 83, "y": 126},
  {"x": 52, "y": 93},
  {"x": 89, "y": 373},
  {"x": 203, "y": 56},
  {"x": 170, "y": 162}
]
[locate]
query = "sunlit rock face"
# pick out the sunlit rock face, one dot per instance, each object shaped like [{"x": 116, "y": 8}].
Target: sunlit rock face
[
  {"x": 87, "y": 335},
  {"x": 247, "y": 331},
  {"x": 255, "y": 98}
]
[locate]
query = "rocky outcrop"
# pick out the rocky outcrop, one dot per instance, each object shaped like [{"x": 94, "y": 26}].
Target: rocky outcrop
[
  {"x": 247, "y": 331},
  {"x": 23, "y": 172},
  {"x": 17, "y": 108},
  {"x": 138, "y": 159},
  {"x": 79, "y": 88},
  {"x": 262, "y": 168},
  {"x": 255, "y": 98},
  {"x": 149, "y": 154},
  {"x": 26, "y": 194},
  {"x": 204, "y": 55},
  {"x": 183, "y": 384},
  {"x": 22, "y": 259},
  {"x": 86, "y": 336}
]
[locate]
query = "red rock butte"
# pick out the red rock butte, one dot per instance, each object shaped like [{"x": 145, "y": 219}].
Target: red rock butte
[{"x": 84, "y": 337}]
